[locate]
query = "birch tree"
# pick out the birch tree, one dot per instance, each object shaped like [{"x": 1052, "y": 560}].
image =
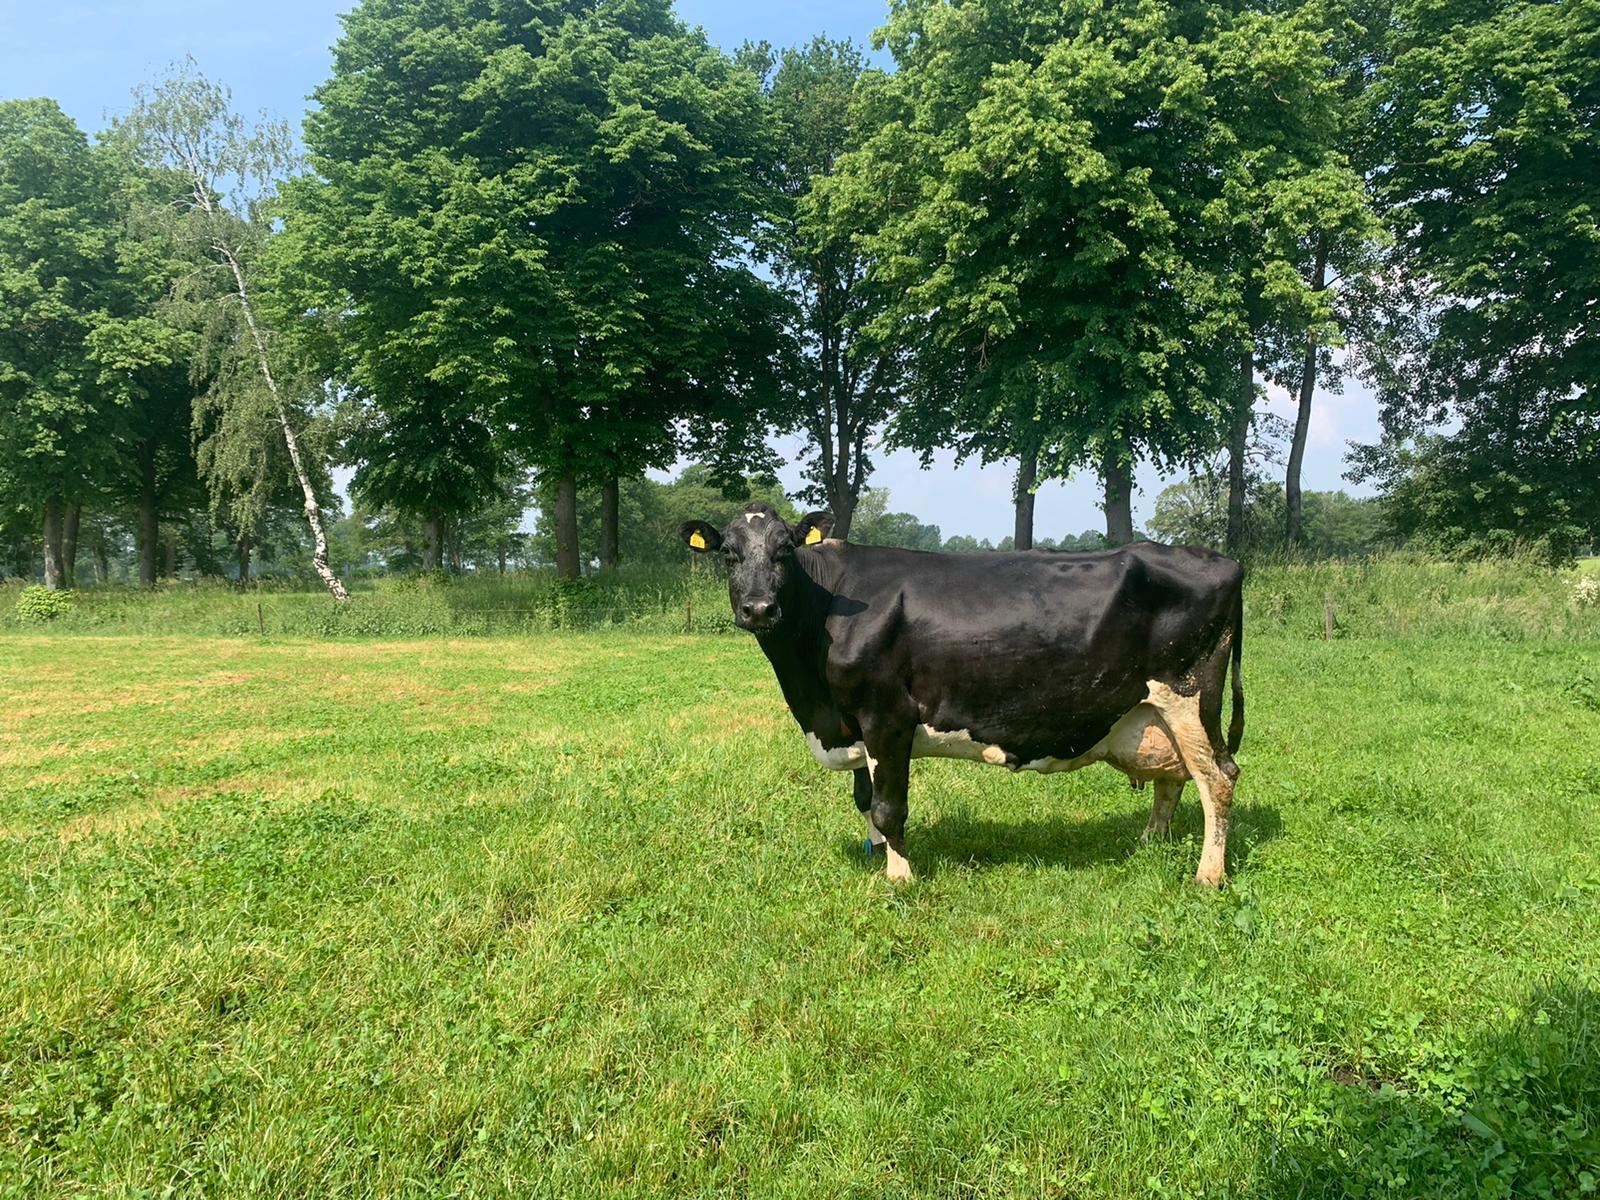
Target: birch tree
[{"x": 230, "y": 166}]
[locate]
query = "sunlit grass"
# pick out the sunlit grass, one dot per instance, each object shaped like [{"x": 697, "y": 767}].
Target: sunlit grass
[{"x": 578, "y": 915}]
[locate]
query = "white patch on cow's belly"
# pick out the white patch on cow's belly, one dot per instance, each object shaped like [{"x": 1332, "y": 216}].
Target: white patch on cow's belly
[
  {"x": 928, "y": 742},
  {"x": 1137, "y": 744},
  {"x": 842, "y": 758}
]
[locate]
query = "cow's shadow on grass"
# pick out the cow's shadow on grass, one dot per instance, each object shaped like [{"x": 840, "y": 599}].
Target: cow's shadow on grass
[{"x": 960, "y": 838}]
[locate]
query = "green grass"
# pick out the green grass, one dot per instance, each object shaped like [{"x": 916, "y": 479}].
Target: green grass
[{"x": 577, "y": 915}]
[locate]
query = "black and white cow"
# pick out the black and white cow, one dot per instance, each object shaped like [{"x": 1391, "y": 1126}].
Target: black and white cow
[{"x": 1036, "y": 661}]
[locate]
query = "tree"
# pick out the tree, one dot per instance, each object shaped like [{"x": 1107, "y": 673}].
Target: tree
[
  {"x": 145, "y": 357},
  {"x": 1340, "y": 231},
  {"x": 186, "y": 124},
  {"x": 653, "y": 512},
  {"x": 522, "y": 238},
  {"x": 1039, "y": 178},
  {"x": 1194, "y": 512},
  {"x": 1290, "y": 205},
  {"x": 843, "y": 379},
  {"x": 876, "y": 526},
  {"x": 57, "y": 268},
  {"x": 1488, "y": 115}
]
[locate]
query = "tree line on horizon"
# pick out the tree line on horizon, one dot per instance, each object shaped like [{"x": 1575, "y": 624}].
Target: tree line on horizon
[{"x": 533, "y": 250}]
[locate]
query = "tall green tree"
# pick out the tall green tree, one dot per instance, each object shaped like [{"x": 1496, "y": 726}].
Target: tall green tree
[
  {"x": 144, "y": 354},
  {"x": 1040, "y": 178},
  {"x": 525, "y": 223},
  {"x": 57, "y": 281},
  {"x": 843, "y": 378},
  {"x": 1339, "y": 230},
  {"x": 1488, "y": 111},
  {"x": 221, "y": 225},
  {"x": 1289, "y": 207}
]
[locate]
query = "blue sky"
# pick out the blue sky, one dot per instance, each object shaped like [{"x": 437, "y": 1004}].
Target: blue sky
[{"x": 88, "y": 55}]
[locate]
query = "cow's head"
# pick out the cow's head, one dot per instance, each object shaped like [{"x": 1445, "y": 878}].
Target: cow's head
[{"x": 758, "y": 546}]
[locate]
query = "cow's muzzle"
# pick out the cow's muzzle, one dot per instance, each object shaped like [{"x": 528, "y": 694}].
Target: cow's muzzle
[{"x": 759, "y": 616}]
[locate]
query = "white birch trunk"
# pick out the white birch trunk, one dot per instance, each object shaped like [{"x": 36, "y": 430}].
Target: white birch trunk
[{"x": 319, "y": 553}]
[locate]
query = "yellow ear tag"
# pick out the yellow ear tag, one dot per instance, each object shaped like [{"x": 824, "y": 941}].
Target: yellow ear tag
[
  {"x": 697, "y": 540},
  {"x": 813, "y": 536}
]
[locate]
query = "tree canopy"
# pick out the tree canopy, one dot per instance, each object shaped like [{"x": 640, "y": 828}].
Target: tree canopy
[{"x": 538, "y": 253}]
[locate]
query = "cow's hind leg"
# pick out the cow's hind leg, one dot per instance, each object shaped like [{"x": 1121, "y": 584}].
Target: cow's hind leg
[
  {"x": 863, "y": 796},
  {"x": 889, "y": 756},
  {"x": 1211, "y": 769},
  {"x": 1168, "y": 792}
]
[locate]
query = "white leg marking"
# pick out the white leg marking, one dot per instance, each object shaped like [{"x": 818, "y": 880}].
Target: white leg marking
[
  {"x": 873, "y": 835},
  {"x": 844, "y": 758},
  {"x": 899, "y": 868}
]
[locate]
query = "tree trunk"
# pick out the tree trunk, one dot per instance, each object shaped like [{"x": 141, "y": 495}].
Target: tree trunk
[
  {"x": 102, "y": 558},
  {"x": 69, "y": 544},
  {"x": 242, "y": 547},
  {"x": 843, "y": 508},
  {"x": 1238, "y": 446},
  {"x": 54, "y": 572},
  {"x": 433, "y": 541},
  {"x": 1302, "y": 415},
  {"x": 1117, "y": 474},
  {"x": 567, "y": 527},
  {"x": 172, "y": 557},
  {"x": 1027, "y": 473},
  {"x": 319, "y": 553},
  {"x": 841, "y": 501},
  {"x": 609, "y": 503},
  {"x": 149, "y": 517}
]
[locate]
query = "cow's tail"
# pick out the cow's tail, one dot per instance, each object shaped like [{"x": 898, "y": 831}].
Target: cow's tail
[{"x": 1236, "y": 722}]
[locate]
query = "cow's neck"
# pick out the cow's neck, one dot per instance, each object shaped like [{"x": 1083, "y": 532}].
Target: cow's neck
[{"x": 798, "y": 652}]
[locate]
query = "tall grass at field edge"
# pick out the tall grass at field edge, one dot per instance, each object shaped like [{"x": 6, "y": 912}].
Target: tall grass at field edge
[{"x": 1391, "y": 595}]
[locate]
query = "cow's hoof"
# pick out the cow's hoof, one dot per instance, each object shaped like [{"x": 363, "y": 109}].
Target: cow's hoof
[
  {"x": 1216, "y": 880},
  {"x": 899, "y": 869},
  {"x": 1162, "y": 834}
]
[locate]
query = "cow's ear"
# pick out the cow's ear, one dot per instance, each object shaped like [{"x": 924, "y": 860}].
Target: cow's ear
[
  {"x": 700, "y": 537},
  {"x": 813, "y": 528}
]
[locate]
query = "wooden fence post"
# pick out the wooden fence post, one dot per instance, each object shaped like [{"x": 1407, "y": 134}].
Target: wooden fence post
[
  {"x": 1327, "y": 616},
  {"x": 261, "y": 620}
]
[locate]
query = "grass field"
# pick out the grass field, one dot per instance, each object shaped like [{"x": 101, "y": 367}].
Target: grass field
[{"x": 577, "y": 915}]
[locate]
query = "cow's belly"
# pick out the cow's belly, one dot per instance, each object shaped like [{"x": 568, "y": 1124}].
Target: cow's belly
[{"x": 1137, "y": 745}]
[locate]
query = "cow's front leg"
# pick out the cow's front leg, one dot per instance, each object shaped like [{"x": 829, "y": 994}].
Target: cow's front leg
[
  {"x": 889, "y": 757},
  {"x": 863, "y": 787}
]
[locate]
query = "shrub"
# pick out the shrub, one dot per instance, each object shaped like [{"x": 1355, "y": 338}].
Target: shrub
[
  {"x": 38, "y": 603},
  {"x": 1586, "y": 592}
]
